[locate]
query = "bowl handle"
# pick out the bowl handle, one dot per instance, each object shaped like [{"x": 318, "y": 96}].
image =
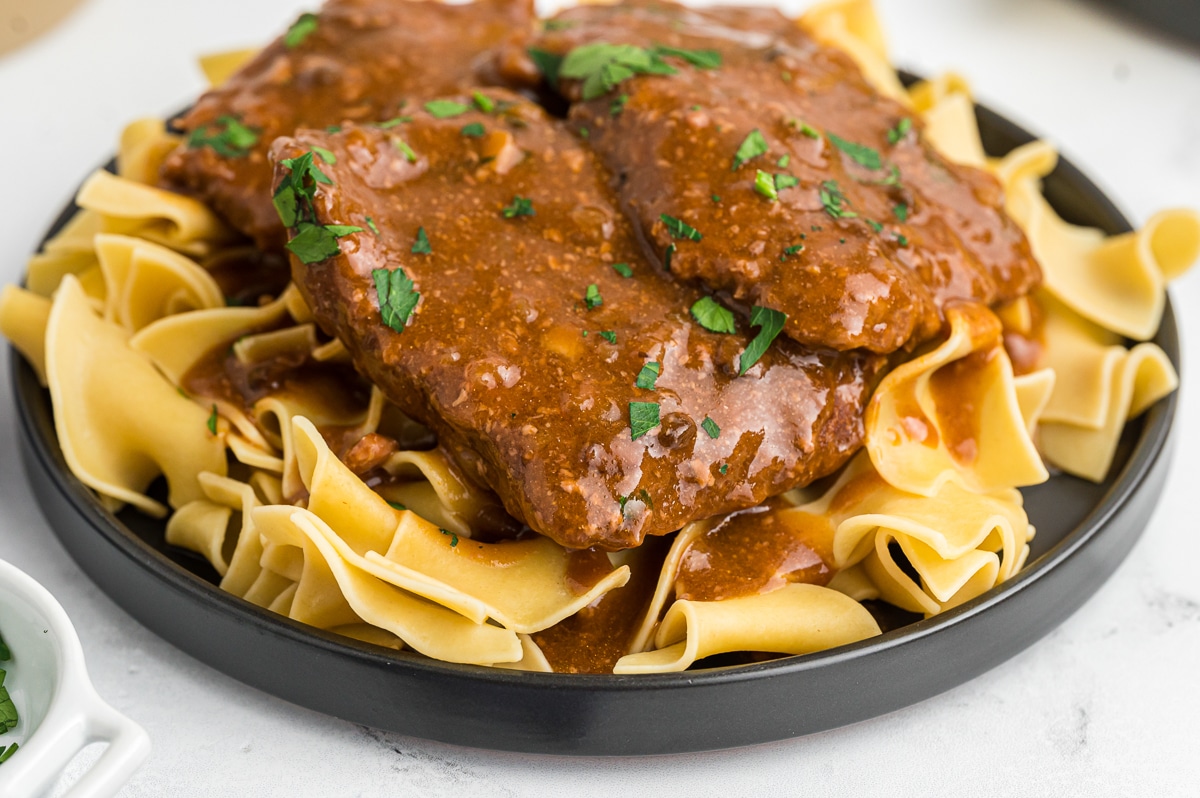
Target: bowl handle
[{"x": 128, "y": 747}]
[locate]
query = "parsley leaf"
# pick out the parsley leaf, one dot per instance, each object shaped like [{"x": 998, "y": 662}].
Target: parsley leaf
[
  {"x": 227, "y": 137},
  {"x": 371, "y": 225},
  {"x": 899, "y": 131},
  {"x": 602, "y": 66},
  {"x": 396, "y": 296},
  {"x": 752, "y": 146},
  {"x": 783, "y": 161},
  {"x": 710, "y": 426},
  {"x": 421, "y": 245},
  {"x": 397, "y": 506},
  {"x": 212, "y": 421},
  {"x": 643, "y": 417},
  {"x": 835, "y": 201},
  {"x": 623, "y": 269},
  {"x": 483, "y": 102},
  {"x": 794, "y": 249},
  {"x": 592, "y": 297},
  {"x": 805, "y": 128},
  {"x": 712, "y": 315},
  {"x": 301, "y": 29},
  {"x": 475, "y": 130},
  {"x": 680, "y": 229},
  {"x": 900, "y": 211},
  {"x": 315, "y": 242},
  {"x": 618, "y": 105},
  {"x": 702, "y": 59},
  {"x": 770, "y": 323},
  {"x": 453, "y": 537},
  {"x": 520, "y": 206},
  {"x": 724, "y": 469},
  {"x": 609, "y": 335},
  {"x": 405, "y": 150},
  {"x": 648, "y": 375},
  {"x": 445, "y": 109},
  {"x": 549, "y": 64},
  {"x": 764, "y": 184},
  {"x": 876, "y": 226},
  {"x": 859, "y": 153},
  {"x": 667, "y": 255},
  {"x": 326, "y": 156},
  {"x": 785, "y": 181},
  {"x": 393, "y": 122}
]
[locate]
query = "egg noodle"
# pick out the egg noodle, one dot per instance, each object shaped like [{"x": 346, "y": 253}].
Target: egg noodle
[{"x": 120, "y": 306}]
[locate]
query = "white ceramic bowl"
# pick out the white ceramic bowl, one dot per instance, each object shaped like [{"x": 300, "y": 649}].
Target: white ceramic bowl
[{"x": 59, "y": 710}]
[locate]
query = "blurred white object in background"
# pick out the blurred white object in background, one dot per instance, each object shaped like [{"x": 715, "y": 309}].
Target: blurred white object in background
[{"x": 22, "y": 21}]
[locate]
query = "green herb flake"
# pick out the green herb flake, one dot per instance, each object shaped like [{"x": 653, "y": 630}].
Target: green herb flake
[
  {"x": 453, "y": 537},
  {"x": 902, "y": 240},
  {"x": 584, "y": 133},
  {"x": 397, "y": 506},
  {"x": 618, "y": 105},
  {"x": 445, "y": 109},
  {"x": 859, "y": 153},
  {"x": 724, "y": 469},
  {"x": 557, "y": 24},
  {"x": 876, "y": 226},
  {"x": 314, "y": 243},
  {"x": 770, "y": 324},
  {"x": 785, "y": 76},
  {"x": 623, "y": 269},
  {"x": 212, "y": 421},
  {"x": 333, "y": 129},
  {"x": 483, "y": 102},
  {"x": 716, "y": 198},
  {"x": 371, "y": 225},
  {"x": 475, "y": 130},
  {"x": 397, "y": 299},
  {"x": 648, "y": 375},
  {"x": 783, "y": 161},
  {"x": 592, "y": 297},
  {"x": 794, "y": 249},
  {"x": 520, "y": 206},
  {"x": 764, "y": 183},
  {"x": 679, "y": 228},
  {"x": 5, "y": 653},
  {"x": 668, "y": 255},
  {"x": 785, "y": 181},
  {"x": 421, "y": 245},
  {"x": 712, "y": 315},
  {"x": 899, "y": 131},
  {"x": 608, "y": 335},
  {"x": 892, "y": 179},
  {"x": 227, "y": 137},
  {"x": 701, "y": 59},
  {"x": 405, "y": 150},
  {"x": 395, "y": 121},
  {"x": 900, "y": 211},
  {"x": 326, "y": 156},
  {"x": 6, "y": 753},
  {"x": 710, "y": 426},
  {"x": 804, "y": 128},
  {"x": 549, "y": 64},
  {"x": 602, "y": 66},
  {"x": 301, "y": 29},
  {"x": 643, "y": 417},
  {"x": 751, "y": 147},
  {"x": 835, "y": 201}
]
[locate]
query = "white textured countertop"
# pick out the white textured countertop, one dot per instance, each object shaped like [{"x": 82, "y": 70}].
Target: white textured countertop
[{"x": 1105, "y": 705}]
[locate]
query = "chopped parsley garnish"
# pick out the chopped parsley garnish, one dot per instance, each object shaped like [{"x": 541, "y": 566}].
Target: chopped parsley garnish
[
  {"x": 859, "y": 153},
  {"x": 608, "y": 335},
  {"x": 643, "y": 417},
  {"x": 770, "y": 323},
  {"x": 716, "y": 197},
  {"x": 212, "y": 421},
  {"x": 421, "y": 245},
  {"x": 397, "y": 506},
  {"x": 548, "y": 64},
  {"x": 602, "y": 66},
  {"x": 900, "y": 211},
  {"x": 667, "y": 255},
  {"x": 317, "y": 242},
  {"x": 584, "y": 133},
  {"x": 618, "y": 105},
  {"x": 892, "y": 179},
  {"x": 899, "y": 131},
  {"x": 702, "y": 59},
  {"x": 227, "y": 137},
  {"x": 326, "y": 156},
  {"x": 752, "y": 146},
  {"x": 785, "y": 181},
  {"x": 301, "y": 29},
  {"x": 293, "y": 199},
  {"x": 592, "y": 297},
  {"x": 785, "y": 76},
  {"x": 835, "y": 201},
  {"x": 712, "y": 315},
  {"x": 445, "y": 109},
  {"x": 333, "y": 129},
  {"x": 394, "y": 122},
  {"x": 483, "y": 102},
  {"x": 724, "y": 469},
  {"x": 396, "y": 296},
  {"x": 475, "y": 130},
  {"x": 783, "y": 161},
  {"x": 794, "y": 249},
  {"x": 679, "y": 228},
  {"x": 902, "y": 240},
  {"x": 764, "y": 183},
  {"x": 520, "y": 206},
  {"x": 805, "y": 128},
  {"x": 405, "y": 150},
  {"x": 557, "y": 24},
  {"x": 371, "y": 225},
  {"x": 453, "y": 537},
  {"x": 648, "y": 375},
  {"x": 623, "y": 269},
  {"x": 6, "y": 753},
  {"x": 710, "y": 426},
  {"x": 876, "y": 226},
  {"x": 8, "y": 710}
]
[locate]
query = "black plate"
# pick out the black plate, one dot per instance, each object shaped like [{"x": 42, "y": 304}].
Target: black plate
[{"x": 1084, "y": 531}]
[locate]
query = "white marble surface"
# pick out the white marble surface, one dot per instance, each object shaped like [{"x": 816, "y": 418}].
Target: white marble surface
[{"x": 1106, "y": 705}]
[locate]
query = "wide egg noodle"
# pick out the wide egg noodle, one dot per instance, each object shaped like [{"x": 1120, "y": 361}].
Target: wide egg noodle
[
  {"x": 127, "y": 207},
  {"x": 202, "y": 526},
  {"x": 948, "y": 112},
  {"x": 23, "y": 319},
  {"x": 853, "y": 27},
  {"x": 794, "y": 619},
  {"x": 145, "y": 144},
  {"x": 146, "y": 282},
  {"x": 332, "y": 589},
  {"x": 433, "y": 490},
  {"x": 523, "y": 585},
  {"x": 220, "y": 67},
  {"x": 908, "y": 432},
  {"x": 119, "y": 422}
]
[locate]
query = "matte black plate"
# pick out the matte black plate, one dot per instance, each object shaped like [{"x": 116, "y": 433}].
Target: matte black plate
[{"x": 1084, "y": 531}]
